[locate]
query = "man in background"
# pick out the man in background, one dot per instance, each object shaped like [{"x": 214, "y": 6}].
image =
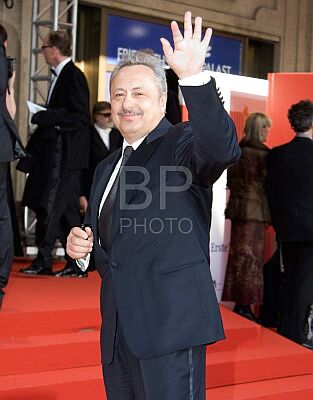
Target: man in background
[
  {"x": 290, "y": 194},
  {"x": 104, "y": 139},
  {"x": 60, "y": 151}
]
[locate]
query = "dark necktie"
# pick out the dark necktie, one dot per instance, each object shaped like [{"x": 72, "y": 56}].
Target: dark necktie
[{"x": 106, "y": 214}]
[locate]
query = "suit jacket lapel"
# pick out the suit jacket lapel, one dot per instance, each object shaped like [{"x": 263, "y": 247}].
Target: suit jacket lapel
[
  {"x": 98, "y": 142},
  {"x": 59, "y": 83},
  {"x": 116, "y": 140},
  {"x": 138, "y": 159},
  {"x": 99, "y": 190}
]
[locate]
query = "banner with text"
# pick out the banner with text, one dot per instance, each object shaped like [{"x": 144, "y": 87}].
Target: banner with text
[{"x": 128, "y": 35}]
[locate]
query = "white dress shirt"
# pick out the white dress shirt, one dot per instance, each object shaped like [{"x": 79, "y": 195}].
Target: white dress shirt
[
  {"x": 135, "y": 145},
  {"x": 104, "y": 135},
  {"x": 83, "y": 263}
]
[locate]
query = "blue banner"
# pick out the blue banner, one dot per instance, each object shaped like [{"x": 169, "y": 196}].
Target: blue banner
[{"x": 126, "y": 35}]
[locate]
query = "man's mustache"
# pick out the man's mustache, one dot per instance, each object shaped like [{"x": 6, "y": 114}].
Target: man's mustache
[{"x": 129, "y": 112}]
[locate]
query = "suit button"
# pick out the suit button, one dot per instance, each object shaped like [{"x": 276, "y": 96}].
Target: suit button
[{"x": 113, "y": 264}]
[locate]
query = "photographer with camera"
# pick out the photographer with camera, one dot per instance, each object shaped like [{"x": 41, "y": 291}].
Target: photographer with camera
[{"x": 11, "y": 148}]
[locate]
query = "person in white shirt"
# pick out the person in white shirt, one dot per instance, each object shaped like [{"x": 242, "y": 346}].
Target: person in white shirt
[{"x": 104, "y": 140}]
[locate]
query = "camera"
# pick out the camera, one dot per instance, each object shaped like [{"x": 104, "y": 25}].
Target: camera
[{"x": 11, "y": 66}]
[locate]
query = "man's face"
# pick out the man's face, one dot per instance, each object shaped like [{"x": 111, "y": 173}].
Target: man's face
[
  {"x": 136, "y": 102},
  {"x": 49, "y": 52},
  {"x": 103, "y": 118}
]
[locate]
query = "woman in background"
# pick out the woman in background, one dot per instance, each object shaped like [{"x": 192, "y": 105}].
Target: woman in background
[{"x": 248, "y": 211}]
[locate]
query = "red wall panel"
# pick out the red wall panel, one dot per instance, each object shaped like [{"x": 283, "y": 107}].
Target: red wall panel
[{"x": 285, "y": 89}]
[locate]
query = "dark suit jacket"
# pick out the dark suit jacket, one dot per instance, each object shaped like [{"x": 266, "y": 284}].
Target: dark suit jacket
[
  {"x": 290, "y": 189},
  {"x": 62, "y": 130},
  {"x": 10, "y": 148},
  {"x": 98, "y": 152},
  {"x": 10, "y": 143},
  {"x": 158, "y": 264}
]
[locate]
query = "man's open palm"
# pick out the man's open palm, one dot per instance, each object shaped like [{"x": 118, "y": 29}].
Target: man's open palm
[{"x": 188, "y": 56}]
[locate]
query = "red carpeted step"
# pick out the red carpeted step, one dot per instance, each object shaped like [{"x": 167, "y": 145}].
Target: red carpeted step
[
  {"x": 27, "y": 323},
  {"x": 238, "y": 331},
  {"x": 86, "y": 383},
  {"x": 49, "y": 340},
  {"x": 30, "y": 293},
  {"x": 50, "y": 352},
  {"x": 69, "y": 384},
  {"x": 292, "y": 388},
  {"x": 270, "y": 356},
  {"x": 49, "y": 305},
  {"x": 273, "y": 357}
]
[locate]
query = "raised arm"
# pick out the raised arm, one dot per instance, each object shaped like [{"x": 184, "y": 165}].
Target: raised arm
[{"x": 209, "y": 143}]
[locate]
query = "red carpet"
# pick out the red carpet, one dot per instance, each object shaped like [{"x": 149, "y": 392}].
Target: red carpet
[{"x": 49, "y": 341}]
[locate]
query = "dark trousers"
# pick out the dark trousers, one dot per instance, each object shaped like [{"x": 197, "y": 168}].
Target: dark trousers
[
  {"x": 58, "y": 222},
  {"x": 297, "y": 293},
  {"x": 174, "y": 376},
  {"x": 273, "y": 279},
  {"x": 6, "y": 232}
]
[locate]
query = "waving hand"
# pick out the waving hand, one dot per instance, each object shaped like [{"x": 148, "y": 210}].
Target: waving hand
[{"x": 188, "y": 56}]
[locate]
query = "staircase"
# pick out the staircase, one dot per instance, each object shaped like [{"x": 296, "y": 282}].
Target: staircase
[{"x": 49, "y": 342}]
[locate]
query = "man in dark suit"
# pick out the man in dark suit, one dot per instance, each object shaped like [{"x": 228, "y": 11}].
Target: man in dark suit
[
  {"x": 290, "y": 194},
  {"x": 159, "y": 308},
  {"x": 60, "y": 150},
  {"x": 104, "y": 139},
  {"x": 11, "y": 148}
]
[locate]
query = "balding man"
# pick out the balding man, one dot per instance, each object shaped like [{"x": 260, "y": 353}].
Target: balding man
[{"x": 60, "y": 150}]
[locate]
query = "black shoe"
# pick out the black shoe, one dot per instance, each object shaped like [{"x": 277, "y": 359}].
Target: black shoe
[
  {"x": 308, "y": 344},
  {"x": 36, "y": 270},
  {"x": 244, "y": 311},
  {"x": 69, "y": 271}
]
